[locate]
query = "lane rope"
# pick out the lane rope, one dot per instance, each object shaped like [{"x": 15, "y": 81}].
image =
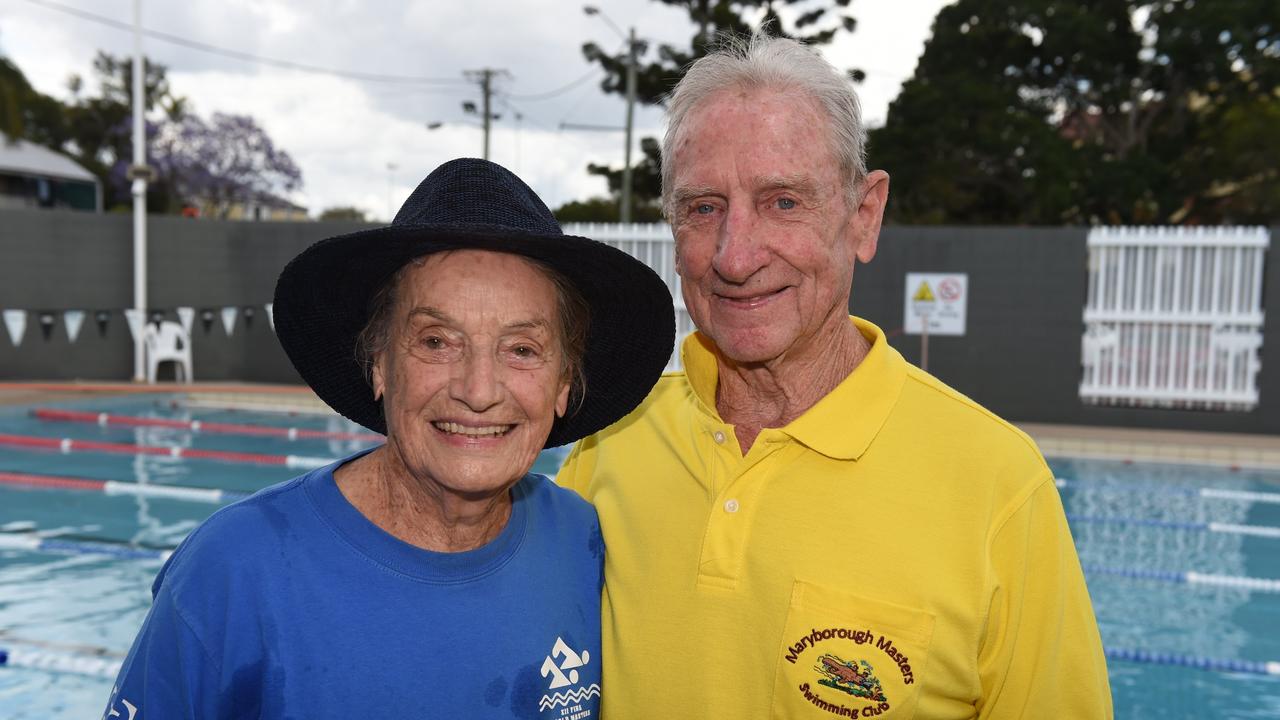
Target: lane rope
[
  {"x": 214, "y": 496},
  {"x": 1202, "y": 492},
  {"x": 1189, "y": 577},
  {"x": 68, "y": 445},
  {"x": 1266, "y": 531},
  {"x": 290, "y": 433}
]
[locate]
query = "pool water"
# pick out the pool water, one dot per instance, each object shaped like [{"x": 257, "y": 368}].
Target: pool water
[
  {"x": 1172, "y": 618},
  {"x": 89, "y": 605},
  {"x": 1128, "y": 521}
]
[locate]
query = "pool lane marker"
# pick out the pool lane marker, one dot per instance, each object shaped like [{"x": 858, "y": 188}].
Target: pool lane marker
[
  {"x": 1191, "y": 661},
  {"x": 1189, "y": 578},
  {"x": 291, "y": 433},
  {"x": 32, "y": 542},
  {"x": 1203, "y": 492},
  {"x": 1266, "y": 531},
  {"x": 67, "y": 445},
  {"x": 214, "y": 496},
  {"x": 69, "y": 663}
]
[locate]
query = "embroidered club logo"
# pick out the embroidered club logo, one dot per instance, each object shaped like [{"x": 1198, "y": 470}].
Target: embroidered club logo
[{"x": 855, "y": 678}]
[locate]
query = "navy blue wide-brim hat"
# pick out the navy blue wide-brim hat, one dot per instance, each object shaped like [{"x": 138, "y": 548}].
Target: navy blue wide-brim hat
[{"x": 322, "y": 297}]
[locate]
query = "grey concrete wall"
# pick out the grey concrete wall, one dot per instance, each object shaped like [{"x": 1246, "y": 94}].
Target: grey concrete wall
[
  {"x": 1020, "y": 356},
  {"x": 55, "y": 260}
]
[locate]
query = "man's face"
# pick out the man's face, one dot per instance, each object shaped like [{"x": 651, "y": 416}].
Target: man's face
[{"x": 765, "y": 240}]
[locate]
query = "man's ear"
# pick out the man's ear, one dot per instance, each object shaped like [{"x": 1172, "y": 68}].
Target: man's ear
[{"x": 866, "y": 219}]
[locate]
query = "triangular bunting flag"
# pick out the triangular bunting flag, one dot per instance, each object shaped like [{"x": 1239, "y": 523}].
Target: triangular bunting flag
[
  {"x": 206, "y": 320},
  {"x": 102, "y": 317},
  {"x": 271, "y": 316},
  {"x": 72, "y": 320},
  {"x": 134, "y": 317},
  {"x": 186, "y": 316},
  {"x": 16, "y": 322},
  {"x": 157, "y": 317},
  {"x": 46, "y": 325},
  {"x": 248, "y": 317},
  {"x": 229, "y": 319}
]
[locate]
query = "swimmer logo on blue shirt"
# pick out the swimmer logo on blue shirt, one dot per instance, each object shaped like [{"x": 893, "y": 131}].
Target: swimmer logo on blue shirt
[{"x": 563, "y": 673}]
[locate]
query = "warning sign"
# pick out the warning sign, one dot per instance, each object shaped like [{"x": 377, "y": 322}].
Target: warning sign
[{"x": 938, "y": 299}]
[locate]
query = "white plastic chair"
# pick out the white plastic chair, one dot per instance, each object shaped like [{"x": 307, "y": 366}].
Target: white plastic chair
[{"x": 169, "y": 342}]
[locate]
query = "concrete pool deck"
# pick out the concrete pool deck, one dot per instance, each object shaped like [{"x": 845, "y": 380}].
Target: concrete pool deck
[{"x": 1228, "y": 450}]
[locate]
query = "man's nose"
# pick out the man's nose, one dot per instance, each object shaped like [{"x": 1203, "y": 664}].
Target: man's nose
[
  {"x": 476, "y": 383},
  {"x": 739, "y": 252}
]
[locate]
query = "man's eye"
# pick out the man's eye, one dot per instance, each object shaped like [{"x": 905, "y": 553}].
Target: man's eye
[
  {"x": 786, "y": 203},
  {"x": 703, "y": 208}
]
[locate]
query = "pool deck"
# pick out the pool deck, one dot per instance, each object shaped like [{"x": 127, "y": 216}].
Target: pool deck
[{"x": 1228, "y": 450}]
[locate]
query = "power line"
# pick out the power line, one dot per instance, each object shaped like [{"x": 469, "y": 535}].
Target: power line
[
  {"x": 248, "y": 57},
  {"x": 594, "y": 72}
]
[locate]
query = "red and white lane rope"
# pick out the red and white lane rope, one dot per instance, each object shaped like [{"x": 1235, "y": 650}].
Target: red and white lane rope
[
  {"x": 113, "y": 487},
  {"x": 291, "y": 433},
  {"x": 68, "y": 445}
]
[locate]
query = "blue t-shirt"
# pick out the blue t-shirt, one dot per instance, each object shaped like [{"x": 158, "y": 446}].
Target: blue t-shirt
[{"x": 292, "y": 604}]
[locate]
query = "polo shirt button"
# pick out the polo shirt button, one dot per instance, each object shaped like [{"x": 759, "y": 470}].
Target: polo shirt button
[
  {"x": 719, "y": 436},
  {"x": 731, "y": 506}
]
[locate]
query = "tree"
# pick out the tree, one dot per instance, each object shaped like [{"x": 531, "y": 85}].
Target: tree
[
  {"x": 646, "y": 182},
  {"x": 817, "y": 22},
  {"x": 25, "y": 112},
  {"x": 226, "y": 161},
  {"x": 1081, "y": 111},
  {"x": 345, "y": 212}
]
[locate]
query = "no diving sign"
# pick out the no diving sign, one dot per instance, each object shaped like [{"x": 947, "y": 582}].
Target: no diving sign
[{"x": 939, "y": 298}]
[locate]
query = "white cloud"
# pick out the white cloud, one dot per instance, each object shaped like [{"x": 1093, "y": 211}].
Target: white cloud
[{"x": 343, "y": 132}]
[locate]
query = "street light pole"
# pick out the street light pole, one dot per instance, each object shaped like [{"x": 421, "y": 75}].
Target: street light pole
[
  {"x": 624, "y": 204},
  {"x": 625, "y": 210},
  {"x": 139, "y": 190}
]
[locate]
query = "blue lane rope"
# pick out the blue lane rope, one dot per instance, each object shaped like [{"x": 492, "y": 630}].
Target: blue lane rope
[
  {"x": 93, "y": 546},
  {"x": 1192, "y": 661},
  {"x": 60, "y": 662},
  {"x": 1188, "y": 578}
]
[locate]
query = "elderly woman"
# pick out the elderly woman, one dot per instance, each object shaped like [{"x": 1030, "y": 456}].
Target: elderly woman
[{"x": 432, "y": 576}]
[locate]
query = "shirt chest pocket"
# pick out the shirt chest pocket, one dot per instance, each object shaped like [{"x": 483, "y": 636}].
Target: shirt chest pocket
[{"x": 844, "y": 655}]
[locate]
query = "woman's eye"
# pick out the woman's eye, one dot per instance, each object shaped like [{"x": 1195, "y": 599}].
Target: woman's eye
[
  {"x": 433, "y": 342},
  {"x": 786, "y": 203},
  {"x": 524, "y": 351}
]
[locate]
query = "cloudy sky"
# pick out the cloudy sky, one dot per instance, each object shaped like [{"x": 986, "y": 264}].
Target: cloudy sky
[{"x": 366, "y": 143}]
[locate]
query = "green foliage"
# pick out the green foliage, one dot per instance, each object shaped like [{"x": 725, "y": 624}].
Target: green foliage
[
  {"x": 1089, "y": 111},
  {"x": 659, "y": 69},
  {"x": 646, "y": 178},
  {"x": 603, "y": 210},
  {"x": 343, "y": 213}
]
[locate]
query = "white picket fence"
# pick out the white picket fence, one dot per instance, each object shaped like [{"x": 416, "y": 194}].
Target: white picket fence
[
  {"x": 1173, "y": 317},
  {"x": 653, "y": 245}
]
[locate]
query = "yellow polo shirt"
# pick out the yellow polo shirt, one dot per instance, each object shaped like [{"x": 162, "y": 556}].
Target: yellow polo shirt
[{"x": 895, "y": 552}]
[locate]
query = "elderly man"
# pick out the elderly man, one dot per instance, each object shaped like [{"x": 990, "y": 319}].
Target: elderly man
[{"x": 801, "y": 524}]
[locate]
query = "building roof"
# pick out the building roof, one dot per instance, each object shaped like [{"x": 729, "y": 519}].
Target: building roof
[{"x": 28, "y": 158}]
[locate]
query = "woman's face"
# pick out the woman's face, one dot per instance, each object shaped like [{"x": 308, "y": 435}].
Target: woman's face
[{"x": 472, "y": 378}]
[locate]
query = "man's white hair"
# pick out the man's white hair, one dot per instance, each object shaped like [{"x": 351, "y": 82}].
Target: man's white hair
[{"x": 764, "y": 62}]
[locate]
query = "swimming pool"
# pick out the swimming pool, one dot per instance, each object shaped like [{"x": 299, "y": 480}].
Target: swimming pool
[{"x": 1140, "y": 529}]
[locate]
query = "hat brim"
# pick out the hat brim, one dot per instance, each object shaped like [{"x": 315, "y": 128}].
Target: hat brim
[{"x": 322, "y": 299}]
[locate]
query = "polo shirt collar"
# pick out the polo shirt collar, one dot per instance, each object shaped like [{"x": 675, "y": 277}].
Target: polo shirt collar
[{"x": 842, "y": 424}]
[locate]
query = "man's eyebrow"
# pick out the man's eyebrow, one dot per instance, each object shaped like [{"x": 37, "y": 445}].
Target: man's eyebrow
[
  {"x": 796, "y": 182},
  {"x": 687, "y": 193}
]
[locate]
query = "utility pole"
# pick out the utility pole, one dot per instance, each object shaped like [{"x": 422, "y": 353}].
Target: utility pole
[
  {"x": 484, "y": 76},
  {"x": 625, "y": 211},
  {"x": 139, "y": 173}
]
